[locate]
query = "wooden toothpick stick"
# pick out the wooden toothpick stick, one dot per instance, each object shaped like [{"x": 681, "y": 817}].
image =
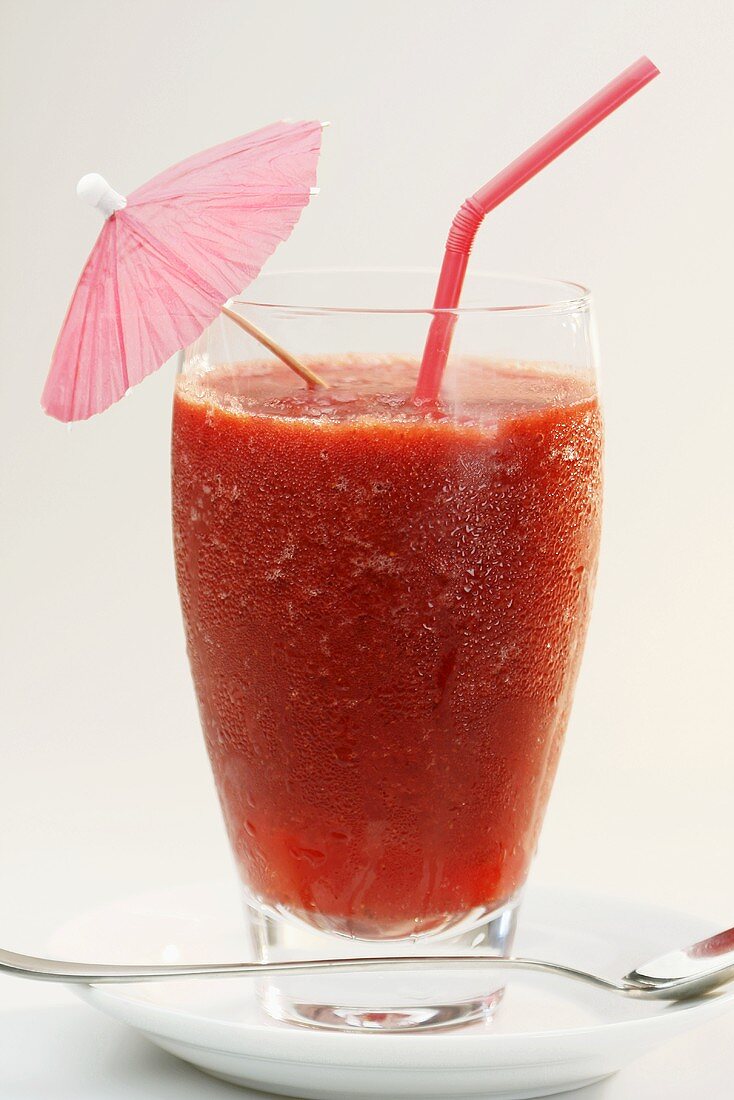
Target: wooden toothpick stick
[{"x": 285, "y": 356}]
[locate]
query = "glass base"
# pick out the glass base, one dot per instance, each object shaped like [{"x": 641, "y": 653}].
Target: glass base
[{"x": 382, "y": 1000}]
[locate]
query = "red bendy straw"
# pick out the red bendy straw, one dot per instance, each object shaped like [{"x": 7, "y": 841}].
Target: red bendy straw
[{"x": 472, "y": 211}]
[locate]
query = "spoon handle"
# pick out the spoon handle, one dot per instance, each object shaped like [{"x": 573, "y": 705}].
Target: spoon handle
[{"x": 51, "y": 970}]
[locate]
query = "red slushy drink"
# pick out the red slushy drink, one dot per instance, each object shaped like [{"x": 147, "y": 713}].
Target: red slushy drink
[{"x": 385, "y": 608}]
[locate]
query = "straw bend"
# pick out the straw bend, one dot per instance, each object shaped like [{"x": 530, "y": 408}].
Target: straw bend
[{"x": 464, "y": 226}]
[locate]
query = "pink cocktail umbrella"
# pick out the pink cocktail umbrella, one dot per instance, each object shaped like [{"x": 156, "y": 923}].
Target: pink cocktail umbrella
[{"x": 170, "y": 255}]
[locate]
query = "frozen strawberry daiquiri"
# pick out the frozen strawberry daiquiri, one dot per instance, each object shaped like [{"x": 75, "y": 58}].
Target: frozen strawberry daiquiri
[{"x": 385, "y": 609}]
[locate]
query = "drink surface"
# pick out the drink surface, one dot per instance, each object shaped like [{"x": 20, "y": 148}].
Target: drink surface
[{"x": 385, "y": 608}]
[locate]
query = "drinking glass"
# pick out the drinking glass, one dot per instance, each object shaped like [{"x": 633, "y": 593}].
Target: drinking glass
[{"x": 385, "y": 606}]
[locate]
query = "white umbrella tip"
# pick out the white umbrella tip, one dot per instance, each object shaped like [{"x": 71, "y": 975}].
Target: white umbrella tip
[{"x": 95, "y": 190}]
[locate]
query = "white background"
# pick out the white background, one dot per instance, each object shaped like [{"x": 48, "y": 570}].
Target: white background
[{"x": 104, "y": 784}]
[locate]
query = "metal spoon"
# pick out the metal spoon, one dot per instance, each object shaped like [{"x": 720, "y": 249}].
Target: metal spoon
[{"x": 688, "y": 972}]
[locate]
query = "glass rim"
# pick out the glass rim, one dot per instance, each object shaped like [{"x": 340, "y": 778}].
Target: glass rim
[{"x": 576, "y": 297}]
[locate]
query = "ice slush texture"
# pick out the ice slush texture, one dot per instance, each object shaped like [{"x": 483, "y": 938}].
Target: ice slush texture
[{"x": 385, "y": 609}]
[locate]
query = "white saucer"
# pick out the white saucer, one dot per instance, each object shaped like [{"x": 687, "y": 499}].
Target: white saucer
[{"x": 548, "y": 1036}]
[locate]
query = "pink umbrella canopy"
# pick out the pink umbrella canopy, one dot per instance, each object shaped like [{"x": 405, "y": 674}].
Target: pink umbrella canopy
[{"x": 170, "y": 256}]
